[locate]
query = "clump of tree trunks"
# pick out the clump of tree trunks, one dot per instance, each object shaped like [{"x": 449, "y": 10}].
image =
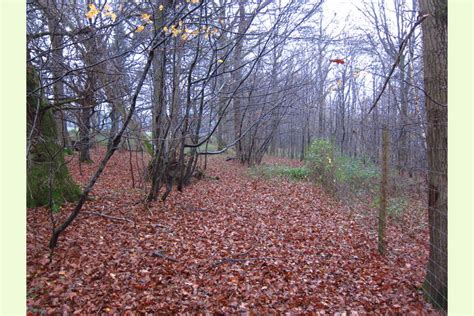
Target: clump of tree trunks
[
  {"x": 175, "y": 171},
  {"x": 48, "y": 179}
]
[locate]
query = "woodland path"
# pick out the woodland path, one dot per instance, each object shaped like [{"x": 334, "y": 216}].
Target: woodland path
[{"x": 228, "y": 245}]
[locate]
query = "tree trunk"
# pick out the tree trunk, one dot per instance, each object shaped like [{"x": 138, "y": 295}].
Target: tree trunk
[
  {"x": 159, "y": 67},
  {"x": 402, "y": 139},
  {"x": 45, "y": 156},
  {"x": 236, "y": 77},
  {"x": 85, "y": 127},
  {"x": 224, "y": 89},
  {"x": 58, "y": 86},
  {"x": 435, "y": 82}
]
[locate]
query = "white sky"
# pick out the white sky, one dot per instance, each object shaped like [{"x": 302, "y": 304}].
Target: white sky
[{"x": 342, "y": 9}]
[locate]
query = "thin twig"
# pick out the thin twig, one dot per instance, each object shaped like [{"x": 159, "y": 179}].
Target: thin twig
[
  {"x": 160, "y": 254},
  {"x": 421, "y": 18},
  {"x": 163, "y": 226},
  {"x": 109, "y": 217},
  {"x": 236, "y": 260}
]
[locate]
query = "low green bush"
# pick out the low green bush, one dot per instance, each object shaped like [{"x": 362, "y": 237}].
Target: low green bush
[
  {"x": 354, "y": 173},
  {"x": 320, "y": 162},
  {"x": 292, "y": 173},
  {"x": 338, "y": 172}
]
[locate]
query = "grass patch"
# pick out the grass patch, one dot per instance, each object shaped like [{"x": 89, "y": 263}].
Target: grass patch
[
  {"x": 353, "y": 174},
  {"x": 291, "y": 173},
  {"x": 396, "y": 206}
]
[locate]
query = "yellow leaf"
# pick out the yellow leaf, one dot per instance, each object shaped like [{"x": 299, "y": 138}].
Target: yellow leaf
[
  {"x": 175, "y": 32},
  {"x": 140, "y": 28},
  {"x": 112, "y": 15},
  {"x": 107, "y": 309},
  {"x": 146, "y": 17},
  {"x": 92, "y": 11},
  {"x": 90, "y": 15},
  {"x": 180, "y": 23},
  {"x": 161, "y": 7},
  {"x": 165, "y": 29},
  {"x": 107, "y": 7},
  {"x": 220, "y": 61},
  {"x": 194, "y": 1},
  {"x": 184, "y": 36}
]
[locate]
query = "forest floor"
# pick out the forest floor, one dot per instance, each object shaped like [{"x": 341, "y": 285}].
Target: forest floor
[{"x": 230, "y": 243}]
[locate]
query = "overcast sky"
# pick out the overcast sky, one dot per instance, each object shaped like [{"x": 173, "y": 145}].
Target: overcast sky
[{"x": 343, "y": 9}]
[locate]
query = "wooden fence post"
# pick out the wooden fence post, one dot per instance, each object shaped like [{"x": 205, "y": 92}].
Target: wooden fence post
[{"x": 382, "y": 218}]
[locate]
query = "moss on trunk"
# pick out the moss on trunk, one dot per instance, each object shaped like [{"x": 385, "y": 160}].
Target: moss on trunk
[{"x": 48, "y": 179}]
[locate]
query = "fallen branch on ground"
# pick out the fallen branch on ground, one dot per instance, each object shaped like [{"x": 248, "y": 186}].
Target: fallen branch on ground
[
  {"x": 196, "y": 209},
  {"x": 236, "y": 260},
  {"x": 109, "y": 217},
  {"x": 163, "y": 226},
  {"x": 160, "y": 254}
]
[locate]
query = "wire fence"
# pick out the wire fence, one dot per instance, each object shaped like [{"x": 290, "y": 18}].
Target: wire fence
[{"x": 411, "y": 197}]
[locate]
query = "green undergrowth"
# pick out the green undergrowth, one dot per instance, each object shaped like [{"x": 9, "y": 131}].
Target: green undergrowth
[
  {"x": 396, "y": 206},
  {"x": 338, "y": 172},
  {"x": 291, "y": 173},
  {"x": 323, "y": 166},
  {"x": 356, "y": 180}
]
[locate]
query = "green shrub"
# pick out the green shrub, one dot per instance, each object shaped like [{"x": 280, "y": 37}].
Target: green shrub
[
  {"x": 338, "y": 172},
  {"x": 320, "y": 161}
]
